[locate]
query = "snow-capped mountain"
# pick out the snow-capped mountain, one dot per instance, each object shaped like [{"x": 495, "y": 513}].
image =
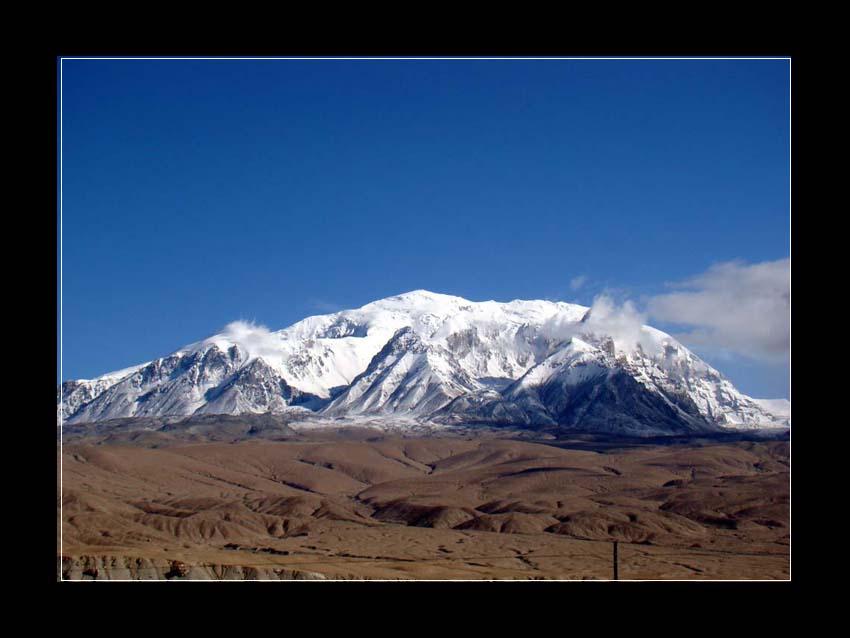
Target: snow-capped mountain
[{"x": 440, "y": 359}]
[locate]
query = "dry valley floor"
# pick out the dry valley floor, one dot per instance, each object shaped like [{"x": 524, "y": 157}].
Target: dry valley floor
[{"x": 375, "y": 506}]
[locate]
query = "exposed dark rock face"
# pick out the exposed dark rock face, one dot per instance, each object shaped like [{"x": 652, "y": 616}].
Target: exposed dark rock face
[
  {"x": 619, "y": 403},
  {"x": 609, "y": 403}
]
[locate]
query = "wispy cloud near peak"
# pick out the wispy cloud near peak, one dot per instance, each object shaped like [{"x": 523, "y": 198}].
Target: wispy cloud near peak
[{"x": 577, "y": 282}]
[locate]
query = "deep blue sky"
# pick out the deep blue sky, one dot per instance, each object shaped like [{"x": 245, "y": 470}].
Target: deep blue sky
[{"x": 197, "y": 192}]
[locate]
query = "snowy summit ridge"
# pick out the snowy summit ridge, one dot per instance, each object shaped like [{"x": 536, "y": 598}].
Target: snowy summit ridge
[{"x": 440, "y": 359}]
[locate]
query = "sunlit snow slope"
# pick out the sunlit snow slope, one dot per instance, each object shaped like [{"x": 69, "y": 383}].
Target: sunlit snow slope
[{"x": 441, "y": 359}]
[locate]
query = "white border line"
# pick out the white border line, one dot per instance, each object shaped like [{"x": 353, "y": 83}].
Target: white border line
[
  {"x": 428, "y": 58},
  {"x": 790, "y": 394},
  {"x": 61, "y": 324},
  {"x": 61, "y": 332}
]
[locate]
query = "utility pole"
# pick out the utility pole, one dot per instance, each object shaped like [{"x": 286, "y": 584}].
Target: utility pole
[{"x": 616, "y": 563}]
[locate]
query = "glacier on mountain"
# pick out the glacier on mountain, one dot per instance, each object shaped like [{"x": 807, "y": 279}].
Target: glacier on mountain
[{"x": 439, "y": 359}]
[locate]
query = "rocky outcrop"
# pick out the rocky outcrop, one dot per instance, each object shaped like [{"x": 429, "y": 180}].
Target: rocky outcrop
[{"x": 129, "y": 568}]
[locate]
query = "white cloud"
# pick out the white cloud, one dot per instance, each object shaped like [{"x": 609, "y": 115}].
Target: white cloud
[
  {"x": 323, "y": 306},
  {"x": 254, "y": 338},
  {"x": 578, "y": 282},
  {"x": 623, "y": 323},
  {"x": 734, "y": 307}
]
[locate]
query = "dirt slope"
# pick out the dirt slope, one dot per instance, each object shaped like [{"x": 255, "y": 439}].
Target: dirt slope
[{"x": 390, "y": 507}]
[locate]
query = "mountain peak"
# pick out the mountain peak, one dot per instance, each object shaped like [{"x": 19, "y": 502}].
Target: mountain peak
[
  {"x": 421, "y": 292},
  {"x": 420, "y": 296},
  {"x": 418, "y": 352}
]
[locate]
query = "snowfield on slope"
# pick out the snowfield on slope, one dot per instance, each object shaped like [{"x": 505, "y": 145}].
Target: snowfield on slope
[{"x": 437, "y": 358}]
